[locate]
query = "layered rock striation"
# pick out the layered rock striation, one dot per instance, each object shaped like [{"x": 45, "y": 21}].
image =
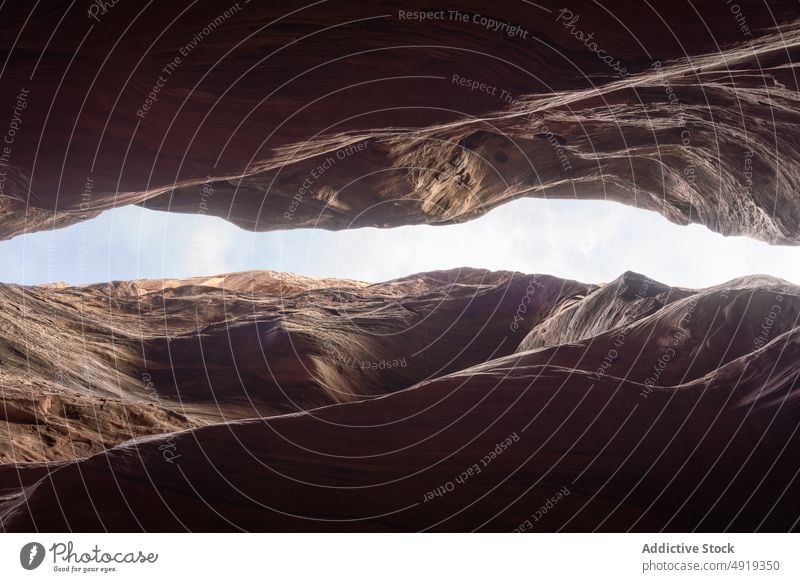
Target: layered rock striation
[
  {"x": 624, "y": 406},
  {"x": 345, "y": 114}
]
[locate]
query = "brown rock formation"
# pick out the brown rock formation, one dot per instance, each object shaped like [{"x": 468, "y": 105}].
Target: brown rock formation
[
  {"x": 346, "y": 114},
  {"x": 25, "y": 411},
  {"x": 126, "y": 359},
  {"x": 453, "y": 400},
  {"x": 636, "y": 406}
]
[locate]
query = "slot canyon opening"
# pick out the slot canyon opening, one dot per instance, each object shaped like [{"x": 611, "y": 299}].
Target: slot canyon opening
[
  {"x": 584, "y": 240},
  {"x": 220, "y": 371}
]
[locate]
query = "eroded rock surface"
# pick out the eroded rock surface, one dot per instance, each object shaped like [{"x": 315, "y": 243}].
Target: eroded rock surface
[
  {"x": 635, "y": 405},
  {"x": 120, "y": 360},
  {"x": 343, "y": 114}
]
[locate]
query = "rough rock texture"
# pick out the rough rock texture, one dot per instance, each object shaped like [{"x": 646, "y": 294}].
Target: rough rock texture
[
  {"x": 341, "y": 114},
  {"x": 453, "y": 400},
  {"x": 636, "y": 406},
  {"x": 84, "y": 368}
]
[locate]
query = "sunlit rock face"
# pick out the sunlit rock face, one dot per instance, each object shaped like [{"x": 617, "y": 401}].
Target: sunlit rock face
[
  {"x": 625, "y": 406},
  {"x": 345, "y": 114}
]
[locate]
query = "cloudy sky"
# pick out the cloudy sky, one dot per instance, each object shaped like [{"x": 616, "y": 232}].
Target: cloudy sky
[{"x": 588, "y": 241}]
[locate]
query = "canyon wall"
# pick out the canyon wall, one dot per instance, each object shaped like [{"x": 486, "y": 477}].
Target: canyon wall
[
  {"x": 447, "y": 401},
  {"x": 627, "y": 406},
  {"x": 84, "y": 368},
  {"x": 345, "y": 114}
]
